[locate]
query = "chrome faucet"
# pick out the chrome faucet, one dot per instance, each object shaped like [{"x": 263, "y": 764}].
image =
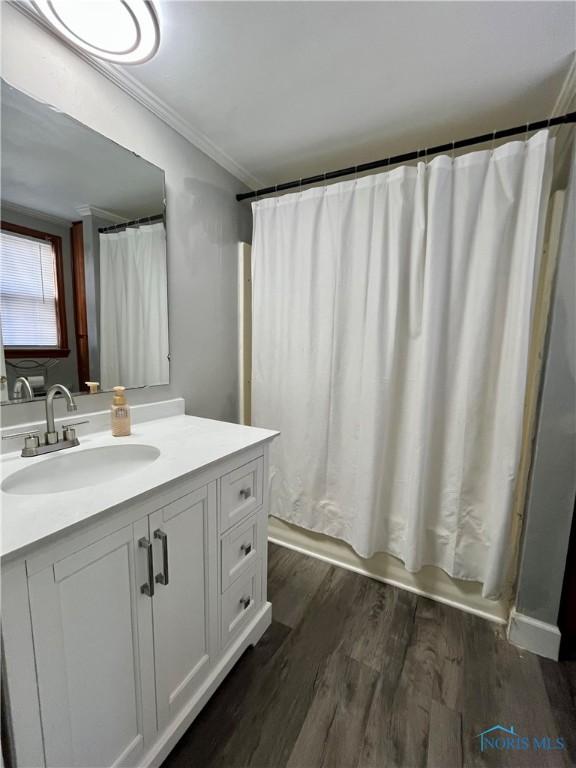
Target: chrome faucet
[
  {"x": 35, "y": 444},
  {"x": 22, "y": 389},
  {"x": 51, "y": 433}
]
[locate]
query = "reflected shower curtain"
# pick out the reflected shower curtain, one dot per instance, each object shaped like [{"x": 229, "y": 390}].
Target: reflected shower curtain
[
  {"x": 391, "y": 321},
  {"x": 133, "y": 307}
]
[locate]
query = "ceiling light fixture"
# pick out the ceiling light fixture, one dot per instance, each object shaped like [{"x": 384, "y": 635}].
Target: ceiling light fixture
[{"x": 122, "y": 31}]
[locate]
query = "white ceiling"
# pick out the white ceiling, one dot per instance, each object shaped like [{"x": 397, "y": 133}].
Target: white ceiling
[
  {"x": 280, "y": 90},
  {"x": 289, "y": 89},
  {"x": 53, "y": 165}
]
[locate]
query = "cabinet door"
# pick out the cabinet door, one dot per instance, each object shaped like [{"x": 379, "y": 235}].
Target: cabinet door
[
  {"x": 92, "y": 665},
  {"x": 185, "y": 599}
]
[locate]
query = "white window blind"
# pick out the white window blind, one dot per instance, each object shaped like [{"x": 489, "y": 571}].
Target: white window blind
[{"x": 28, "y": 291}]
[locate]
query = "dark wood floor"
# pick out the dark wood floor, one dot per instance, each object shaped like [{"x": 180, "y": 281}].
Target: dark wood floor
[{"x": 357, "y": 674}]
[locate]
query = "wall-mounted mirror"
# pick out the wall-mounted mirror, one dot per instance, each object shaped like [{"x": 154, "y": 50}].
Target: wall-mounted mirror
[{"x": 83, "y": 286}]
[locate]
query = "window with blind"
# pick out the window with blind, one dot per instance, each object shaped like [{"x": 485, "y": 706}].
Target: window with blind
[{"x": 31, "y": 293}]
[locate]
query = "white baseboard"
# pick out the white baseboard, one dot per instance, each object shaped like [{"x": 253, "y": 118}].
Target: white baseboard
[
  {"x": 533, "y": 635},
  {"x": 430, "y": 582}
]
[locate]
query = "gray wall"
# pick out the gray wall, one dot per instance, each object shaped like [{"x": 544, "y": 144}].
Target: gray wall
[
  {"x": 204, "y": 221},
  {"x": 65, "y": 371},
  {"x": 553, "y": 483}
]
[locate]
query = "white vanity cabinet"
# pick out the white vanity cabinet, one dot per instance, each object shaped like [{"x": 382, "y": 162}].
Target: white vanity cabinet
[
  {"x": 185, "y": 602},
  {"x": 93, "y": 647},
  {"x": 136, "y": 619}
]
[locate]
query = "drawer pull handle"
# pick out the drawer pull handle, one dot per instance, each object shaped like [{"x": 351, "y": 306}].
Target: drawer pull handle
[
  {"x": 246, "y": 548},
  {"x": 148, "y": 588},
  {"x": 245, "y": 601},
  {"x": 162, "y": 578},
  {"x": 245, "y": 493}
]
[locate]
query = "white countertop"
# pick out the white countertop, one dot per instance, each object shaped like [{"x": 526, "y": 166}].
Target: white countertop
[{"x": 186, "y": 444}]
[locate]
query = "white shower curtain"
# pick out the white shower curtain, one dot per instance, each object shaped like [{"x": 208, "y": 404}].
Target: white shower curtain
[
  {"x": 391, "y": 331},
  {"x": 133, "y": 307}
]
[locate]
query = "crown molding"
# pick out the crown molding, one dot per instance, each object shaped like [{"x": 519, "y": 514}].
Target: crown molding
[
  {"x": 158, "y": 107},
  {"x": 6, "y": 205},
  {"x": 101, "y": 213},
  {"x": 149, "y": 100}
]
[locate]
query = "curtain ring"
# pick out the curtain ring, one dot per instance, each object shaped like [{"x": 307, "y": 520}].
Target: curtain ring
[
  {"x": 453, "y": 142},
  {"x": 493, "y": 141}
]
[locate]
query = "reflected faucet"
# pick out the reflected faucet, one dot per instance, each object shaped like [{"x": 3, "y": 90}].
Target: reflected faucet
[
  {"x": 51, "y": 433},
  {"x": 22, "y": 389}
]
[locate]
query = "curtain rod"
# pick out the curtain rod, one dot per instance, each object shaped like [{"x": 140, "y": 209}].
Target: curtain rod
[
  {"x": 134, "y": 223},
  {"x": 414, "y": 155}
]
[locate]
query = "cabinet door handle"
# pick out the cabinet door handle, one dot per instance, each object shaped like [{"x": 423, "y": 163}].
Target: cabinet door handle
[
  {"x": 246, "y": 548},
  {"x": 245, "y": 601},
  {"x": 148, "y": 588},
  {"x": 162, "y": 578},
  {"x": 245, "y": 493}
]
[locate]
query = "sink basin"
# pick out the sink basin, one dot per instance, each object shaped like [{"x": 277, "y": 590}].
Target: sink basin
[{"x": 80, "y": 469}]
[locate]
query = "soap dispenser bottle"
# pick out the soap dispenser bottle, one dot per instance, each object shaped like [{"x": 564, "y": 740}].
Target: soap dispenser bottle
[{"x": 120, "y": 411}]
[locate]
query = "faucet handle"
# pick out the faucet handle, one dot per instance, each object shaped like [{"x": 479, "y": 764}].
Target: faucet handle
[
  {"x": 68, "y": 430},
  {"x": 31, "y": 442},
  {"x": 28, "y": 433}
]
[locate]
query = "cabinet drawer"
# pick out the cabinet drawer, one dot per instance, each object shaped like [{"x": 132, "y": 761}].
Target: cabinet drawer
[
  {"x": 240, "y": 602},
  {"x": 239, "y": 549},
  {"x": 240, "y": 493}
]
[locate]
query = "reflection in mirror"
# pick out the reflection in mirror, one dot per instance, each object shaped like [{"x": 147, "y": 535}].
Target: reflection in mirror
[{"x": 83, "y": 286}]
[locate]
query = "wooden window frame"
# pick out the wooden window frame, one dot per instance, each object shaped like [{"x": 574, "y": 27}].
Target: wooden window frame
[
  {"x": 80, "y": 314},
  {"x": 62, "y": 350}
]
